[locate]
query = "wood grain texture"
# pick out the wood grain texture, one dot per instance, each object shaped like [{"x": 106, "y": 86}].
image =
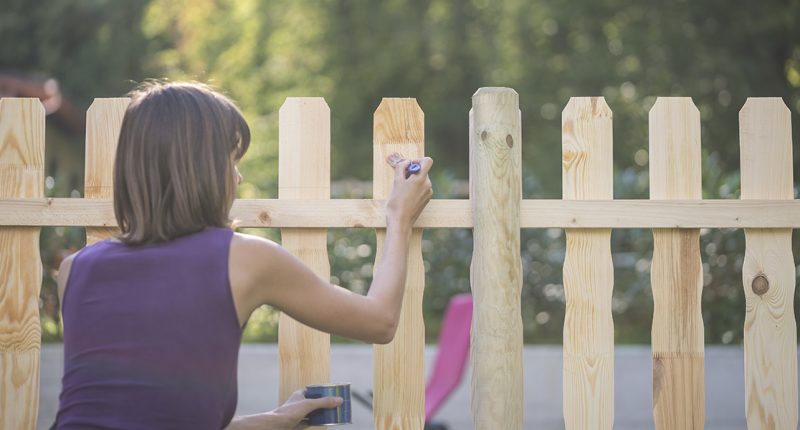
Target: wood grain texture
[
  {"x": 587, "y": 174},
  {"x": 768, "y": 273},
  {"x": 21, "y": 175},
  {"x": 440, "y": 213},
  {"x": 103, "y": 122},
  {"x": 304, "y": 172},
  {"x": 399, "y": 367},
  {"x": 677, "y": 271},
  {"x": 495, "y": 142}
]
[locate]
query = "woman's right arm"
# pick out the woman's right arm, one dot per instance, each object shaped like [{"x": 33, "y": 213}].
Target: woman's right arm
[{"x": 277, "y": 278}]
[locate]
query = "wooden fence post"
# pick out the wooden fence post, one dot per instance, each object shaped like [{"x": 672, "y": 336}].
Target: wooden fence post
[
  {"x": 304, "y": 172},
  {"x": 495, "y": 178},
  {"x": 21, "y": 175},
  {"x": 677, "y": 271},
  {"x": 399, "y": 367},
  {"x": 768, "y": 273},
  {"x": 587, "y": 160},
  {"x": 103, "y": 123}
]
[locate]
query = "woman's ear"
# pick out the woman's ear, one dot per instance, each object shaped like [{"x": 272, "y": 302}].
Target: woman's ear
[{"x": 237, "y": 175}]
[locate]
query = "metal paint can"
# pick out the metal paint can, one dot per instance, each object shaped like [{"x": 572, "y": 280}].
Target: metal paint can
[{"x": 329, "y": 416}]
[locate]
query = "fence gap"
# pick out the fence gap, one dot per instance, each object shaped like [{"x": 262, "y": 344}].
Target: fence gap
[
  {"x": 587, "y": 163},
  {"x": 495, "y": 178},
  {"x": 768, "y": 272},
  {"x": 21, "y": 175},
  {"x": 399, "y": 367},
  {"x": 677, "y": 271},
  {"x": 304, "y": 172}
]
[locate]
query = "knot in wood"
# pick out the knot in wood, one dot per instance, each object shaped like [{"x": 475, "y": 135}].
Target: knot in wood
[
  {"x": 760, "y": 285},
  {"x": 484, "y": 135},
  {"x": 568, "y": 155},
  {"x": 264, "y": 217},
  {"x": 509, "y": 141}
]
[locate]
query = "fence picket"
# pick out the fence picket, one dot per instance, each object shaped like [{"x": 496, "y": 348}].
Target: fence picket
[
  {"x": 677, "y": 271},
  {"x": 768, "y": 273},
  {"x": 399, "y": 367},
  {"x": 304, "y": 172},
  {"x": 495, "y": 178},
  {"x": 21, "y": 175},
  {"x": 587, "y": 160},
  {"x": 103, "y": 122}
]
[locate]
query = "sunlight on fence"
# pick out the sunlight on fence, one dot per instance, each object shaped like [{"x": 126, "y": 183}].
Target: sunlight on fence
[{"x": 496, "y": 212}]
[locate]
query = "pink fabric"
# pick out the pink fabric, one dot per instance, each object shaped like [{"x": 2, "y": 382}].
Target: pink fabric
[{"x": 451, "y": 358}]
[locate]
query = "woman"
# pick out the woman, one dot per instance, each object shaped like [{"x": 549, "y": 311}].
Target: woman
[{"x": 153, "y": 318}]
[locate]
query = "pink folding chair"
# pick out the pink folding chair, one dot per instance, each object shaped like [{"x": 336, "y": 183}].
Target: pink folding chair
[{"x": 451, "y": 357}]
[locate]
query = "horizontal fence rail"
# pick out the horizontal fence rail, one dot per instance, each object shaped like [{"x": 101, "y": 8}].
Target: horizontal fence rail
[
  {"x": 440, "y": 213},
  {"x": 496, "y": 212}
]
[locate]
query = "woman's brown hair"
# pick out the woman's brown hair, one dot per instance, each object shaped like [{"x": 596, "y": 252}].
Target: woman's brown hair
[{"x": 173, "y": 172}]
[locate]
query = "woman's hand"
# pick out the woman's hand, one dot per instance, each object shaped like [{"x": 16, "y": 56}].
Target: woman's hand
[
  {"x": 289, "y": 416},
  {"x": 410, "y": 193}
]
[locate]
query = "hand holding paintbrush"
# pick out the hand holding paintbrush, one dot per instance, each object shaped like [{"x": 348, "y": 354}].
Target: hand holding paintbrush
[
  {"x": 413, "y": 167},
  {"x": 412, "y": 188}
]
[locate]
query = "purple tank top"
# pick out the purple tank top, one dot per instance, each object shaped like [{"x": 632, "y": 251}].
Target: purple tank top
[{"x": 151, "y": 336}]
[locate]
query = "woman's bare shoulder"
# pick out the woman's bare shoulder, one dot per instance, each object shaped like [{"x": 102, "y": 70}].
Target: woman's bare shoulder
[
  {"x": 251, "y": 257},
  {"x": 247, "y": 244},
  {"x": 250, "y": 261},
  {"x": 63, "y": 275}
]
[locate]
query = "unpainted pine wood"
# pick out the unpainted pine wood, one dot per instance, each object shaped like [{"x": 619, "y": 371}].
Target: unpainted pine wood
[
  {"x": 495, "y": 141},
  {"x": 677, "y": 271},
  {"x": 768, "y": 272},
  {"x": 440, "y": 213},
  {"x": 304, "y": 173},
  {"x": 587, "y": 174},
  {"x": 21, "y": 175},
  {"x": 103, "y": 123},
  {"x": 399, "y": 367}
]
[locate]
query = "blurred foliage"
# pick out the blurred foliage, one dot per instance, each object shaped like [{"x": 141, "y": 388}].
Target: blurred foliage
[
  {"x": 353, "y": 52},
  {"x": 93, "y": 47}
]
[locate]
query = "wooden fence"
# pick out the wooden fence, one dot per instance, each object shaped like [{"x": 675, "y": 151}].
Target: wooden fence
[{"x": 496, "y": 212}]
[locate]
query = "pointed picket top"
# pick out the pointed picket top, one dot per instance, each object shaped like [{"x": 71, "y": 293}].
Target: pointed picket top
[
  {"x": 587, "y": 149},
  {"x": 398, "y": 121},
  {"x": 103, "y": 124},
  {"x": 21, "y": 146},
  {"x": 398, "y": 126},
  {"x": 304, "y": 148},
  {"x": 675, "y": 167},
  {"x": 766, "y": 149}
]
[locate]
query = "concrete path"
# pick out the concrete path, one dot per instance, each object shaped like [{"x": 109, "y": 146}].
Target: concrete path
[{"x": 258, "y": 382}]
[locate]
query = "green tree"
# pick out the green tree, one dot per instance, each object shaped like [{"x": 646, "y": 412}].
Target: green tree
[{"x": 353, "y": 52}]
